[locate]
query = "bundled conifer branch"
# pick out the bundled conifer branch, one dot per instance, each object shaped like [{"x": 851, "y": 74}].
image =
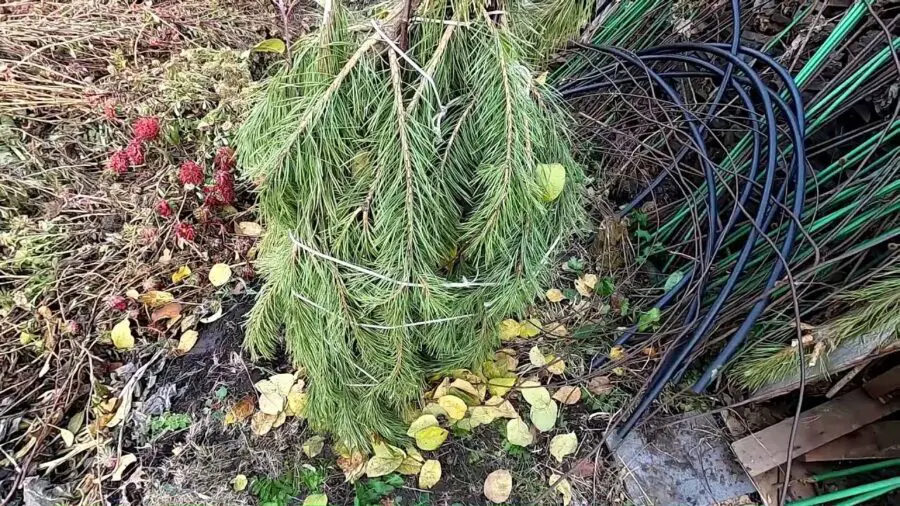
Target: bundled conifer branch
[{"x": 407, "y": 202}]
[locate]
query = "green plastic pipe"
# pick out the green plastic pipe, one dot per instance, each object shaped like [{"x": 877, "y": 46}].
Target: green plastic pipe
[
  {"x": 874, "y": 466},
  {"x": 864, "y": 498},
  {"x": 850, "y": 492}
]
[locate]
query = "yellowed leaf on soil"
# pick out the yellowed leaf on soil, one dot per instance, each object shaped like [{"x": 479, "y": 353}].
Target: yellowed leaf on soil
[
  {"x": 442, "y": 389},
  {"x": 280, "y": 418},
  {"x": 353, "y": 465},
  {"x": 67, "y": 437},
  {"x": 283, "y": 383},
  {"x": 554, "y": 295},
  {"x": 261, "y": 423},
  {"x": 555, "y": 365},
  {"x": 409, "y": 466},
  {"x": 617, "y": 352},
  {"x": 582, "y": 288},
  {"x": 501, "y": 386},
  {"x": 498, "y": 486},
  {"x": 465, "y": 386},
  {"x": 187, "y": 341},
  {"x": 423, "y": 422},
  {"x": 430, "y": 474},
  {"x": 517, "y": 432},
  {"x": 271, "y": 403},
  {"x": 529, "y": 328},
  {"x": 240, "y": 411},
  {"x": 543, "y": 416},
  {"x": 562, "y": 486},
  {"x": 504, "y": 407},
  {"x": 600, "y": 385},
  {"x": 239, "y": 483},
  {"x": 249, "y": 228},
  {"x": 181, "y": 274},
  {"x": 121, "y": 335},
  {"x": 534, "y": 393},
  {"x": 556, "y": 329},
  {"x": 433, "y": 408},
  {"x": 381, "y": 466},
  {"x": 313, "y": 446},
  {"x": 431, "y": 438},
  {"x": 536, "y": 357},
  {"x": 316, "y": 500},
  {"x": 507, "y": 357},
  {"x": 568, "y": 394},
  {"x": 169, "y": 311},
  {"x": 454, "y": 406},
  {"x": 156, "y": 298},
  {"x": 485, "y": 414},
  {"x": 509, "y": 329},
  {"x": 219, "y": 274},
  {"x": 562, "y": 445}
]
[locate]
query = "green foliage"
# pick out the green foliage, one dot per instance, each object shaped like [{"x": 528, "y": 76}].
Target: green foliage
[
  {"x": 312, "y": 478},
  {"x": 370, "y": 492},
  {"x": 605, "y": 287},
  {"x": 404, "y": 216},
  {"x": 169, "y": 422},
  {"x": 274, "y": 491},
  {"x": 648, "y": 319}
]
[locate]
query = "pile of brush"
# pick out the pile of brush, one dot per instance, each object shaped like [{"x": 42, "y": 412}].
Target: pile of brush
[{"x": 415, "y": 180}]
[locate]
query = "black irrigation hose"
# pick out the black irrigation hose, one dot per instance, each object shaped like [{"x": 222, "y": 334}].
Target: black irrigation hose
[{"x": 770, "y": 202}]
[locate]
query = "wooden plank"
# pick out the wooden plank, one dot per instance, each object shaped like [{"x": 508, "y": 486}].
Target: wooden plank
[
  {"x": 850, "y": 353},
  {"x": 885, "y": 386},
  {"x": 769, "y": 484},
  {"x": 822, "y": 424},
  {"x": 880, "y": 440}
]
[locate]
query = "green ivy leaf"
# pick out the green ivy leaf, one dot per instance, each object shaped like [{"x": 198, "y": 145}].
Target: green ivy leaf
[{"x": 605, "y": 287}]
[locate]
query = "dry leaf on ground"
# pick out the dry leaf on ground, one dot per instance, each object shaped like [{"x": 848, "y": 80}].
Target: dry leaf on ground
[
  {"x": 430, "y": 474},
  {"x": 562, "y": 445},
  {"x": 568, "y": 394},
  {"x": 498, "y": 486}
]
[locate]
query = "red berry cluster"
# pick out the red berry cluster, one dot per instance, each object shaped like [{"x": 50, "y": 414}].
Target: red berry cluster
[
  {"x": 144, "y": 130},
  {"x": 220, "y": 193}
]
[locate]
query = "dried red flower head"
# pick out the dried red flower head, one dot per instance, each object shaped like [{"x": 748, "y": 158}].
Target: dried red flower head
[
  {"x": 221, "y": 192},
  {"x": 190, "y": 174},
  {"x": 163, "y": 209},
  {"x": 71, "y": 327},
  {"x": 117, "y": 302},
  {"x": 184, "y": 231},
  {"x": 119, "y": 162},
  {"x": 146, "y": 129},
  {"x": 149, "y": 235},
  {"x": 135, "y": 152},
  {"x": 224, "y": 159}
]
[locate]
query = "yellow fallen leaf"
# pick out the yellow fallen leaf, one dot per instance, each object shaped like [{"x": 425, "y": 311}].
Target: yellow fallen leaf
[
  {"x": 498, "y": 486},
  {"x": 132, "y": 294},
  {"x": 239, "y": 483},
  {"x": 67, "y": 437},
  {"x": 271, "y": 404},
  {"x": 219, "y": 274},
  {"x": 534, "y": 393},
  {"x": 617, "y": 352},
  {"x": 582, "y": 288},
  {"x": 121, "y": 335},
  {"x": 467, "y": 424},
  {"x": 568, "y": 394},
  {"x": 248, "y": 228},
  {"x": 386, "y": 460},
  {"x": 430, "y": 474},
  {"x": 316, "y": 500},
  {"x": 283, "y": 383},
  {"x": 296, "y": 404},
  {"x": 507, "y": 358},
  {"x": 433, "y": 408},
  {"x": 504, "y": 408},
  {"x": 529, "y": 328},
  {"x": 155, "y": 298},
  {"x": 543, "y": 416},
  {"x": 555, "y": 365},
  {"x": 536, "y": 357},
  {"x": 562, "y": 445},
  {"x": 280, "y": 418},
  {"x": 509, "y": 329},
  {"x": 600, "y": 385},
  {"x": 554, "y": 295},
  {"x": 485, "y": 414},
  {"x": 442, "y": 389},
  {"x": 454, "y": 406},
  {"x": 409, "y": 466},
  {"x": 465, "y": 386},
  {"x": 186, "y": 341},
  {"x": 170, "y": 311},
  {"x": 180, "y": 275},
  {"x": 353, "y": 465},
  {"x": 313, "y": 446},
  {"x": 556, "y": 329},
  {"x": 562, "y": 486},
  {"x": 517, "y": 432},
  {"x": 423, "y": 422},
  {"x": 431, "y": 438},
  {"x": 240, "y": 411},
  {"x": 261, "y": 423},
  {"x": 501, "y": 386}
]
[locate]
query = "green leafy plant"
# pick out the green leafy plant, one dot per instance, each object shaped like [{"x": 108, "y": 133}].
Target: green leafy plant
[
  {"x": 274, "y": 491},
  {"x": 169, "y": 422},
  {"x": 370, "y": 492}
]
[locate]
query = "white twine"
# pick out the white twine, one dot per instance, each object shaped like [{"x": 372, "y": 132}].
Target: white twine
[
  {"x": 363, "y": 270},
  {"x": 436, "y": 121}
]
